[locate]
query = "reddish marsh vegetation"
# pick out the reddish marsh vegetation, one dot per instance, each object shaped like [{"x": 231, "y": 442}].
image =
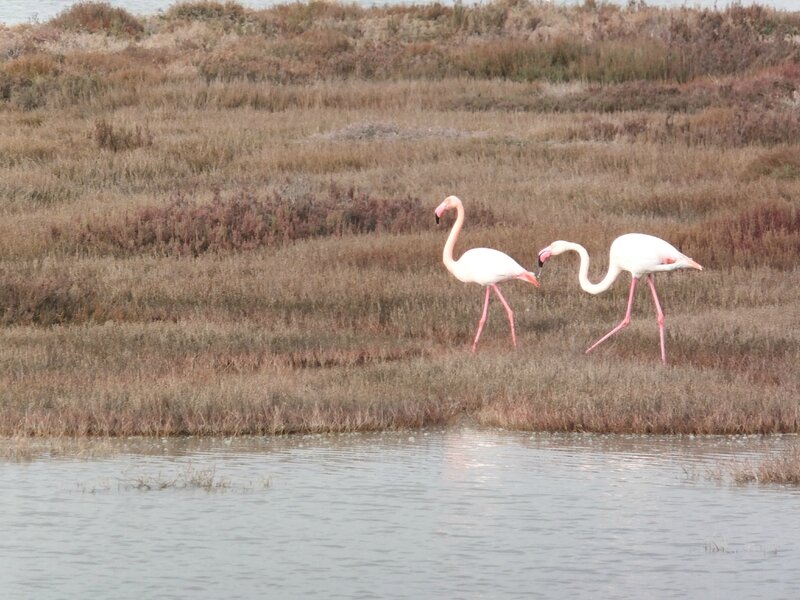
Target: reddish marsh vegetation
[
  {"x": 220, "y": 220},
  {"x": 243, "y": 221}
]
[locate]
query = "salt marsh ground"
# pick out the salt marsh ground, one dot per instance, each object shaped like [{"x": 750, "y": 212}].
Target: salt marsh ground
[{"x": 220, "y": 220}]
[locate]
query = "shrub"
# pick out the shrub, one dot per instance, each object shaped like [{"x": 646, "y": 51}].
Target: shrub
[
  {"x": 98, "y": 17},
  {"x": 243, "y": 221}
]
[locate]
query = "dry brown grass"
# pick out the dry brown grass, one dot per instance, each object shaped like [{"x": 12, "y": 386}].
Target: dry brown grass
[
  {"x": 223, "y": 223},
  {"x": 781, "y": 469},
  {"x": 98, "y": 17}
]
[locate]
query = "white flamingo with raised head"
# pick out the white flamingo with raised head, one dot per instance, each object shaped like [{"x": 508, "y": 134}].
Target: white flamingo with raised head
[
  {"x": 639, "y": 254},
  {"x": 484, "y": 266}
]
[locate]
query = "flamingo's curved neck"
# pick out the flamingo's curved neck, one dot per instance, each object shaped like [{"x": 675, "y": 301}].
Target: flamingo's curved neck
[
  {"x": 583, "y": 272},
  {"x": 450, "y": 244}
]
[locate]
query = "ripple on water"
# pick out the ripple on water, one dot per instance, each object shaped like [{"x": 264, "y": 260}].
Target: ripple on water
[{"x": 438, "y": 513}]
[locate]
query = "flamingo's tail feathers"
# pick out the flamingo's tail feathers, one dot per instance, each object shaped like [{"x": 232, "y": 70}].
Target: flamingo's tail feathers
[{"x": 529, "y": 277}]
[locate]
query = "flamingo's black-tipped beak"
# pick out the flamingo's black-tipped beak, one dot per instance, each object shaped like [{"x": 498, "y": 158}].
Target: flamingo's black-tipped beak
[
  {"x": 544, "y": 254},
  {"x": 441, "y": 208}
]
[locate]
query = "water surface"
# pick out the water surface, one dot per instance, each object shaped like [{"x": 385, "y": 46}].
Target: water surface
[{"x": 456, "y": 514}]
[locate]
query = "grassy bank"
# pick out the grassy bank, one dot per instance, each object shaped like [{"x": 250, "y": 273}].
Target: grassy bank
[{"x": 220, "y": 220}]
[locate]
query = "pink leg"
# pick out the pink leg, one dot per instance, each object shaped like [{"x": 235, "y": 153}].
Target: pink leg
[
  {"x": 624, "y": 323},
  {"x": 509, "y": 312},
  {"x": 482, "y": 321},
  {"x": 659, "y": 315}
]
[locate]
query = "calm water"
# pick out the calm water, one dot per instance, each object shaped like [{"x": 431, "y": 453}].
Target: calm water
[
  {"x": 23, "y": 11},
  {"x": 459, "y": 514}
]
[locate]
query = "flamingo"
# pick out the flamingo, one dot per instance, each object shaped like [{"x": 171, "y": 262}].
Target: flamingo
[
  {"x": 484, "y": 266},
  {"x": 639, "y": 254}
]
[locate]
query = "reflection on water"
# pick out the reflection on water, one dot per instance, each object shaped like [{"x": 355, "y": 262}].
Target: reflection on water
[{"x": 450, "y": 514}]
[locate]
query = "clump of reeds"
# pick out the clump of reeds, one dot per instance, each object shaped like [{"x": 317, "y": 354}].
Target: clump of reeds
[
  {"x": 119, "y": 138},
  {"x": 188, "y": 478},
  {"x": 783, "y": 468}
]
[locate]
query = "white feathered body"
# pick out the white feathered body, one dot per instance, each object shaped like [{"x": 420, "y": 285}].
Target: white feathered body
[
  {"x": 486, "y": 266},
  {"x": 640, "y": 254}
]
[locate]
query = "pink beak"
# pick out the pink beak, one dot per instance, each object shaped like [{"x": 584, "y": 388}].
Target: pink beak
[{"x": 695, "y": 265}]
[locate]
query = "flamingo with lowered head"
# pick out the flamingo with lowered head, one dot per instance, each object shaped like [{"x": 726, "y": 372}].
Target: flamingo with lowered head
[
  {"x": 637, "y": 253},
  {"x": 484, "y": 266}
]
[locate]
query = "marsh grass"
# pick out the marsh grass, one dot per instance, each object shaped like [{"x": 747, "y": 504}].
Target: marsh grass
[
  {"x": 783, "y": 469},
  {"x": 245, "y": 221},
  {"x": 188, "y": 478},
  {"x": 192, "y": 244},
  {"x": 120, "y": 138}
]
